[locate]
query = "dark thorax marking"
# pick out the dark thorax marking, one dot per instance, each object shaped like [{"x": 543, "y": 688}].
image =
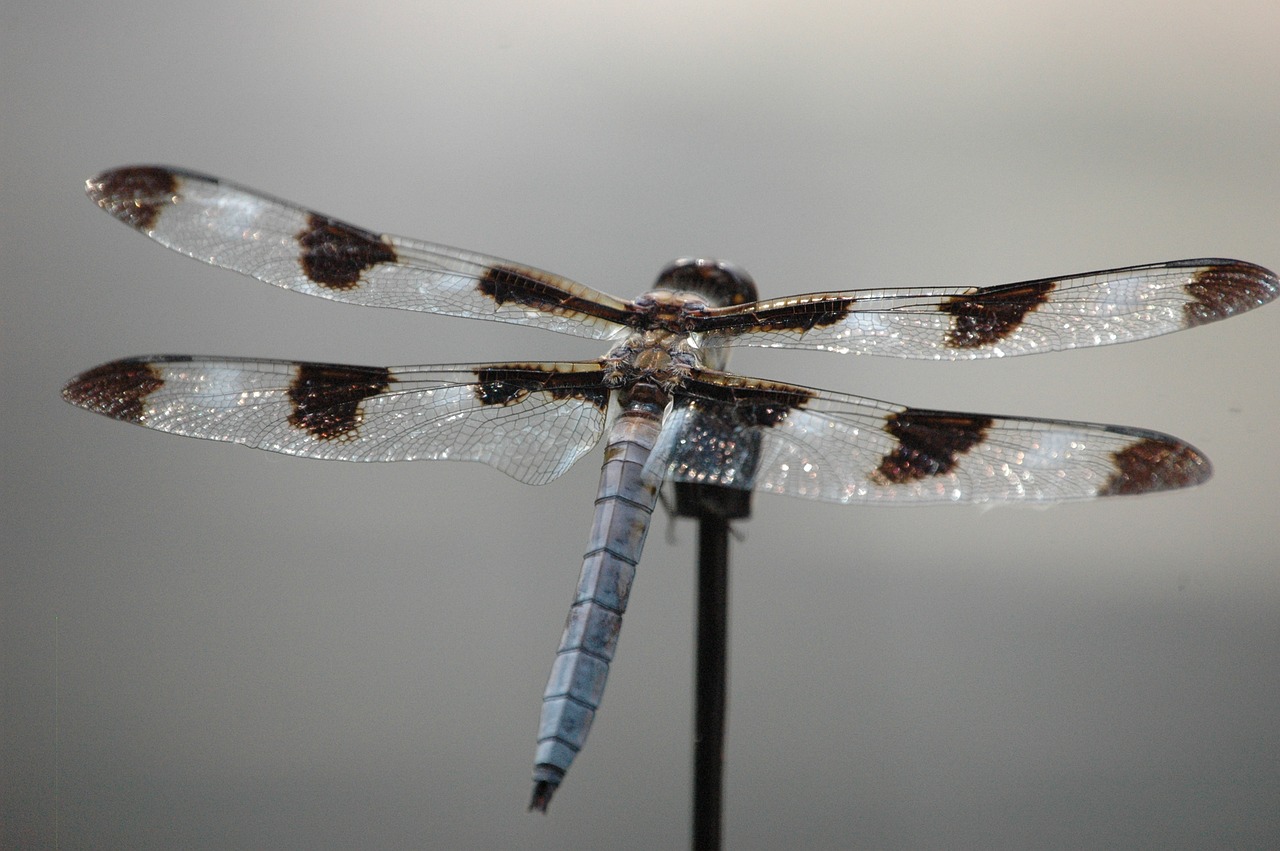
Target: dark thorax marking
[
  {"x": 511, "y": 384},
  {"x": 1151, "y": 464},
  {"x": 326, "y": 398},
  {"x": 335, "y": 254},
  {"x": 987, "y": 316},
  {"x": 1220, "y": 291},
  {"x": 118, "y": 389},
  {"x": 135, "y": 195},
  {"x": 930, "y": 443}
]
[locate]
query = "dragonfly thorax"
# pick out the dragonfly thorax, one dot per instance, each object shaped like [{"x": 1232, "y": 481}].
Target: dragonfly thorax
[
  {"x": 687, "y": 289},
  {"x": 661, "y": 358},
  {"x": 673, "y": 310}
]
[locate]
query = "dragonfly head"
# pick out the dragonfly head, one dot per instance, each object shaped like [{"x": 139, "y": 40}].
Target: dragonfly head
[{"x": 720, "y": 282}]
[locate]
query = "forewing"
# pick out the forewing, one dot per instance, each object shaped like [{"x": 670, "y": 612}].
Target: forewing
[
  {"x": 281, "y": 243},
  {"x": 957, "y": 323},
  {"x": 531, "y": 421},
  {"x": 780, "y": 438}
]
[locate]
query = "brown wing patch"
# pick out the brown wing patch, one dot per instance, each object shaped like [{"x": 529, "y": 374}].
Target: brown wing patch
[
  {"x": 747, "y": 401},
  {"x": 326, "y": 398},
  {"x": 509, "y": 284},
  {"x": 805, "y": 316},
  {"x": 989, "y": 315},
  {"x": 118, "y": 389},
  {"x": 1156, "y": 464},
  {"x": 1224, "y": 290},
  {"x": 510, "y": 384},
  {"x": 930, "y": 443},
  {"x": 798, "y": 315},
  {"x": 135, "y": 194},
  {"x": 335, "y": 254}
]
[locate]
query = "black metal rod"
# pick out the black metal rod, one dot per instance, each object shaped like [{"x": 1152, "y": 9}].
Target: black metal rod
[
  {"x": 714, "y": 507},
  {"x": 710, "y": 680}
]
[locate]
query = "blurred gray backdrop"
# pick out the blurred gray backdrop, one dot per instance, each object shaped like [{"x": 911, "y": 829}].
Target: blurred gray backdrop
[{"x": 210, "y": 647}]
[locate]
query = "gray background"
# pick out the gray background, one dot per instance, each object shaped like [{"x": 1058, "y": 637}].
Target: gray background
[{"x": 205, "y": 646}]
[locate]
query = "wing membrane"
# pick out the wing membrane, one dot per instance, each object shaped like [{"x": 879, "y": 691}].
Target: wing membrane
[
  {"x": 746, "y": 433},
  {"x": 956, "y": 323},
  {"x": 227, "y": 225},
  {"x": 531, "y": 421}
]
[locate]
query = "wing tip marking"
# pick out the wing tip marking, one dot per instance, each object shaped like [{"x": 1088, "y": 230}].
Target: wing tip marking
[
  {"x": 1157, "y": 463},
  {"x": 118, "y": 389},
  {"x": 136, "y": 195},
  {"x": 1227, "y": 288}
]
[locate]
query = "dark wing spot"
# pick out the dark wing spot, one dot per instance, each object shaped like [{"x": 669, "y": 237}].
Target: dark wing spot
[
  {"x": 747, "y": 401},
  {"x": 1156, "y": 464},
  {"x": 510, "y": 384},
  {"x": 335, "y": 254},
  {"x": 509, "y": 284},
  {"x": 767, "y": 407},
  {"x": 798, "y": 316},
  {"x": 930, "y": 443},
  {"x": 1227, "y": 289},
  {"x": 118, "y": 389},
  {"x": 135, "y": 194},
  {"x": 326, "y": 398},
  {"x": 989, "y": 315}
]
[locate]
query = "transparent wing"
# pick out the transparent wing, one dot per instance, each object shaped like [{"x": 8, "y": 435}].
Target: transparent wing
[
  {"x": 782, "y": 438},
  {"x": 955, "y": 323},
  {"x": 531, "y": 421},
  {"x": 281, "y": 243}
]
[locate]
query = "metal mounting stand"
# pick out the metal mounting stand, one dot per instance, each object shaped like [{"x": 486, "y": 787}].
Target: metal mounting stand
[{"x": 713, "y": 507}]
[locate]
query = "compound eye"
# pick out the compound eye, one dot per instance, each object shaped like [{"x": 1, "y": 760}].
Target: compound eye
[{"x": 719, "y": 281}]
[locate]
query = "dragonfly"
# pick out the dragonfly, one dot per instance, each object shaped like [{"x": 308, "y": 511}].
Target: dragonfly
[{"x": 661, "y": 395}]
